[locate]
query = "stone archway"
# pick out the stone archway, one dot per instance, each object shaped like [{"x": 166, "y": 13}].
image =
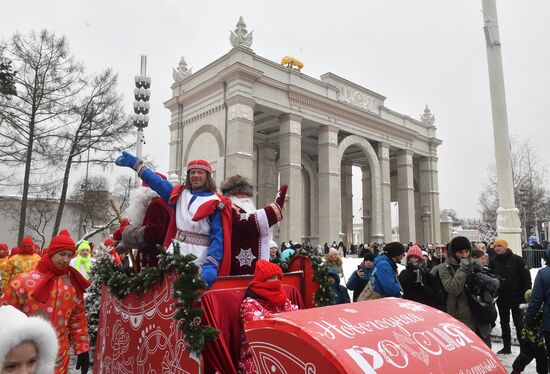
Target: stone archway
[
  {"x": 201, "y": 130},
  {"x": 376, "y": 233}
]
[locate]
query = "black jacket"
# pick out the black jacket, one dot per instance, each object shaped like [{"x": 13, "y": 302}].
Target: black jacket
[
  {"x": 514, "y": 277},
  {"x": 418, "y": 285}
]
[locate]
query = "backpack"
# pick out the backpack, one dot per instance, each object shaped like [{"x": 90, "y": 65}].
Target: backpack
[{"x": 482, "y": 289}]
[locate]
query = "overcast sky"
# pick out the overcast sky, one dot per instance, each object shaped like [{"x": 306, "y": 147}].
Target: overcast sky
[{"x": 413, "y": 52}]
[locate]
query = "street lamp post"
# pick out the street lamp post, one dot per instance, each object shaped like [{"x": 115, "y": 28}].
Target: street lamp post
[
  {"x": 142, "y": 94},
  {"x": 508, "y": 224}
]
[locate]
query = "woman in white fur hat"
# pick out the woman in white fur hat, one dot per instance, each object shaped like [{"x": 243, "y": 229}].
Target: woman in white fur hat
[{"x": 27, "y": 344}]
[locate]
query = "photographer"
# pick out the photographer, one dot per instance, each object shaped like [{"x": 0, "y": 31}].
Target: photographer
[
  {"x": 360, "y": 277},
  {"x": 416, "y": 280}
]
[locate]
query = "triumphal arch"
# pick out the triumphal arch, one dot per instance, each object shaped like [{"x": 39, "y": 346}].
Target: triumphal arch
[{"x": 268, "y": 121}]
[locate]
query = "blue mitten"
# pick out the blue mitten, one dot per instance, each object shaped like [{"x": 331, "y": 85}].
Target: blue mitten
[
  {"x": 129, "y": 160},
  {"x": 209, "y": 273}
]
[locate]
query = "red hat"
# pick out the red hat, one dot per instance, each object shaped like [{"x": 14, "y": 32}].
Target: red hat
[
  {"x": 27, "y": 243},
  {"x": 61, "y": 242},
  {"x": 14, "y": 251},
  {"x": 3, "y": 250},
  {"x": 266, "y": 270},
  {"x": 144, "y": 184},
  {"x": 414, "y": 251},
  {"x": 109, "y": 242},
  {"x": 199, "y": 164}
]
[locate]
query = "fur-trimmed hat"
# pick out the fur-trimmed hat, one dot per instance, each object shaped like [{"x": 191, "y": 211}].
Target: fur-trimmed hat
[
  {"x": 265, "y": 270},
  {"x": 237, "y": 184},
  {"x": 459, "y": 243},
  {"x": 16, "y": 328},
  {"x": 199, "y": 164},
  {"x": 394, "y": 249}
]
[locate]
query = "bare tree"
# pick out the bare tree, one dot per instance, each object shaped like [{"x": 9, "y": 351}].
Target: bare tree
[
  {"x": 97, "y": 127},
  {"x": 530, "y": 192},
  {"x": 47, "y": 81}
]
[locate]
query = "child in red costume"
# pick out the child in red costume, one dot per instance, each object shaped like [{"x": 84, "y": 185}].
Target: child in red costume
[
  {"x": 264, "y": 296},
  {"x": 54, "y": 291}
]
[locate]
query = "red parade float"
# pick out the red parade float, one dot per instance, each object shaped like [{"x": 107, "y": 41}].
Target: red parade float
[{"x": 137, "y": 334}]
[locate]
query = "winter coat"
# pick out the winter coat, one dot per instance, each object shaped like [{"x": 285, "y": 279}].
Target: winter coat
[
  {"x": 65, "y": 310},
  {"x": 253, "y": 310},
  {"x": 357, "y": 284},
  {"x": 16, "y": 328},
  {"x": 384, "y": 277},
  {"x": 3, "y": 271},
  {"x": 514, "y": 277},
  {"x": 418, "y": 285},
  {"x": 18, "y": 264},
  {"x": 340, "y": 292},
  {"x": 335, "y": 265},
  {"x": 453, "y": 279},
  {"x": 540, "y": 296}
]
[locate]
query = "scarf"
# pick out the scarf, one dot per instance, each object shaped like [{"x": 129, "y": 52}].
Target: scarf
[
  {"x": 50, "y": 272},
  {"x": 83, "y": 260},
  {"x": 271, "y": 291}
]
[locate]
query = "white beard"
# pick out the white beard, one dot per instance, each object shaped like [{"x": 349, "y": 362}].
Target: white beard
[
  {"x": 245, "y": 203},
  {"x": 139, "y": 202}
]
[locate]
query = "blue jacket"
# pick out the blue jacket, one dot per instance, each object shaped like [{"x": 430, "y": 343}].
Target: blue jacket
[
  {"x": 341, "y": 295},
  {"x": 540, "y": 295},
  {"x": 384, "y": 277}
]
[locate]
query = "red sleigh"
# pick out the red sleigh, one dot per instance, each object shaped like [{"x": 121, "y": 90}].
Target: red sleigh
[{"x": 137, "y": 334}]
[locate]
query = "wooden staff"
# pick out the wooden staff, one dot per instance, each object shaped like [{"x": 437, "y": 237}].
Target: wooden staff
[{"x": 120, "y": 219}]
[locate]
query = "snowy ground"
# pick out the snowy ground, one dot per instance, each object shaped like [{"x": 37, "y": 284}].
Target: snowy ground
[{"x": 350, "y": 265}]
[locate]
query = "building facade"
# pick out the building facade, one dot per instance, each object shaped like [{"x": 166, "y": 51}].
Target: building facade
[{"x": 252, "y": 116}]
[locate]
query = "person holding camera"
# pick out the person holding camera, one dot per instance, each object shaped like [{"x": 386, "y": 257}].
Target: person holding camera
[
  {"x": 360, "y": 277},
  {"x": 457, "y": 269},
  {"x": 416, "y": 280}
]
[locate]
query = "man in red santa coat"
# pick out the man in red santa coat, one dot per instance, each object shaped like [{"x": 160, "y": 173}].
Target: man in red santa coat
[
  {"x": 196, "y": 225},
  {"x": 149, "y": 217},
  {"x": 250, "y": 233}
]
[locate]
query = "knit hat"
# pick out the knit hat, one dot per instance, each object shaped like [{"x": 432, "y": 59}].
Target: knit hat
[
  {"x": 16, "y": 328},
  {"x": 459, "y": 243},
  {"x": 109, "y": 242},
  {"x": 266, "y": 270},
  {"x": 83, "y": 245},
  {"x": 61, "y": 242},
  {"x": 414, "y": 251},
  {"x": 394, "y": 249},
  {"x": 199, "y": 164},
  {"x": 4, "y": 251},
  {"x": 273, "y": 244},
  {"x": 502, "y": 243},
  {"x": 27, "y": 243},
  {"x": 333, "y": 251}
]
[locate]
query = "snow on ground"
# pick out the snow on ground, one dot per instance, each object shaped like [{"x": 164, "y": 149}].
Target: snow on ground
[{"x": 350, "y": 265}]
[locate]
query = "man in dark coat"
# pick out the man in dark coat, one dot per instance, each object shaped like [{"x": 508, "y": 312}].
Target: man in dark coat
[{"x": 515, "y": 279}]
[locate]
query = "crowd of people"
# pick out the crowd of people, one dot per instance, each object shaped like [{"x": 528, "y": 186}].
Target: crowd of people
[{"x": 229, "y": 236}]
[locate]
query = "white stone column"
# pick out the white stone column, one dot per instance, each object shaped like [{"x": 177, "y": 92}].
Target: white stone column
[
  {"x": 367, "y": 204},
  {"x": 405, "y": 196},
  {"x": 508, "y": 224},
  {"x": 429, "y": 198},
  {"x": 267, "y": 175},
  {"x": 290, "y": 168},
  {"x": 240, "y": 137},
  {"x": 329, "y": 184},
  {"x": 384, "y": 160},
  {"x": 347, "y": 203}
]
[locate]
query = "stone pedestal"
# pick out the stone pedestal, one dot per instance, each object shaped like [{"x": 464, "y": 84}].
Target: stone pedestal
[
  {"x": 405, "y": 196},
  {"x": 329, "y": 185},
  {"x": 384, "y": 159},
  {"x": 240, "y": 137},
  {"x": 290, "y": 169}
]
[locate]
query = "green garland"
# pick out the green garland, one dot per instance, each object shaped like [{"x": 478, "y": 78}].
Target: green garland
[
  {"x": 187, "y": 289},
  {"x": 323, "y": 296}
]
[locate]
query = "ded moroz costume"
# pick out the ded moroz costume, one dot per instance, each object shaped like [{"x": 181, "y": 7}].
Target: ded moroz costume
[{"x": 250, "y": 235}]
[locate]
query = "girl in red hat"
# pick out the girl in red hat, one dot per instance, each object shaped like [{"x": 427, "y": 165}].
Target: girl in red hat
[
  {"x": 263, "y": 297},
  {"x": 54, "y": 291},
  {"x": 21, "y": 262}
]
